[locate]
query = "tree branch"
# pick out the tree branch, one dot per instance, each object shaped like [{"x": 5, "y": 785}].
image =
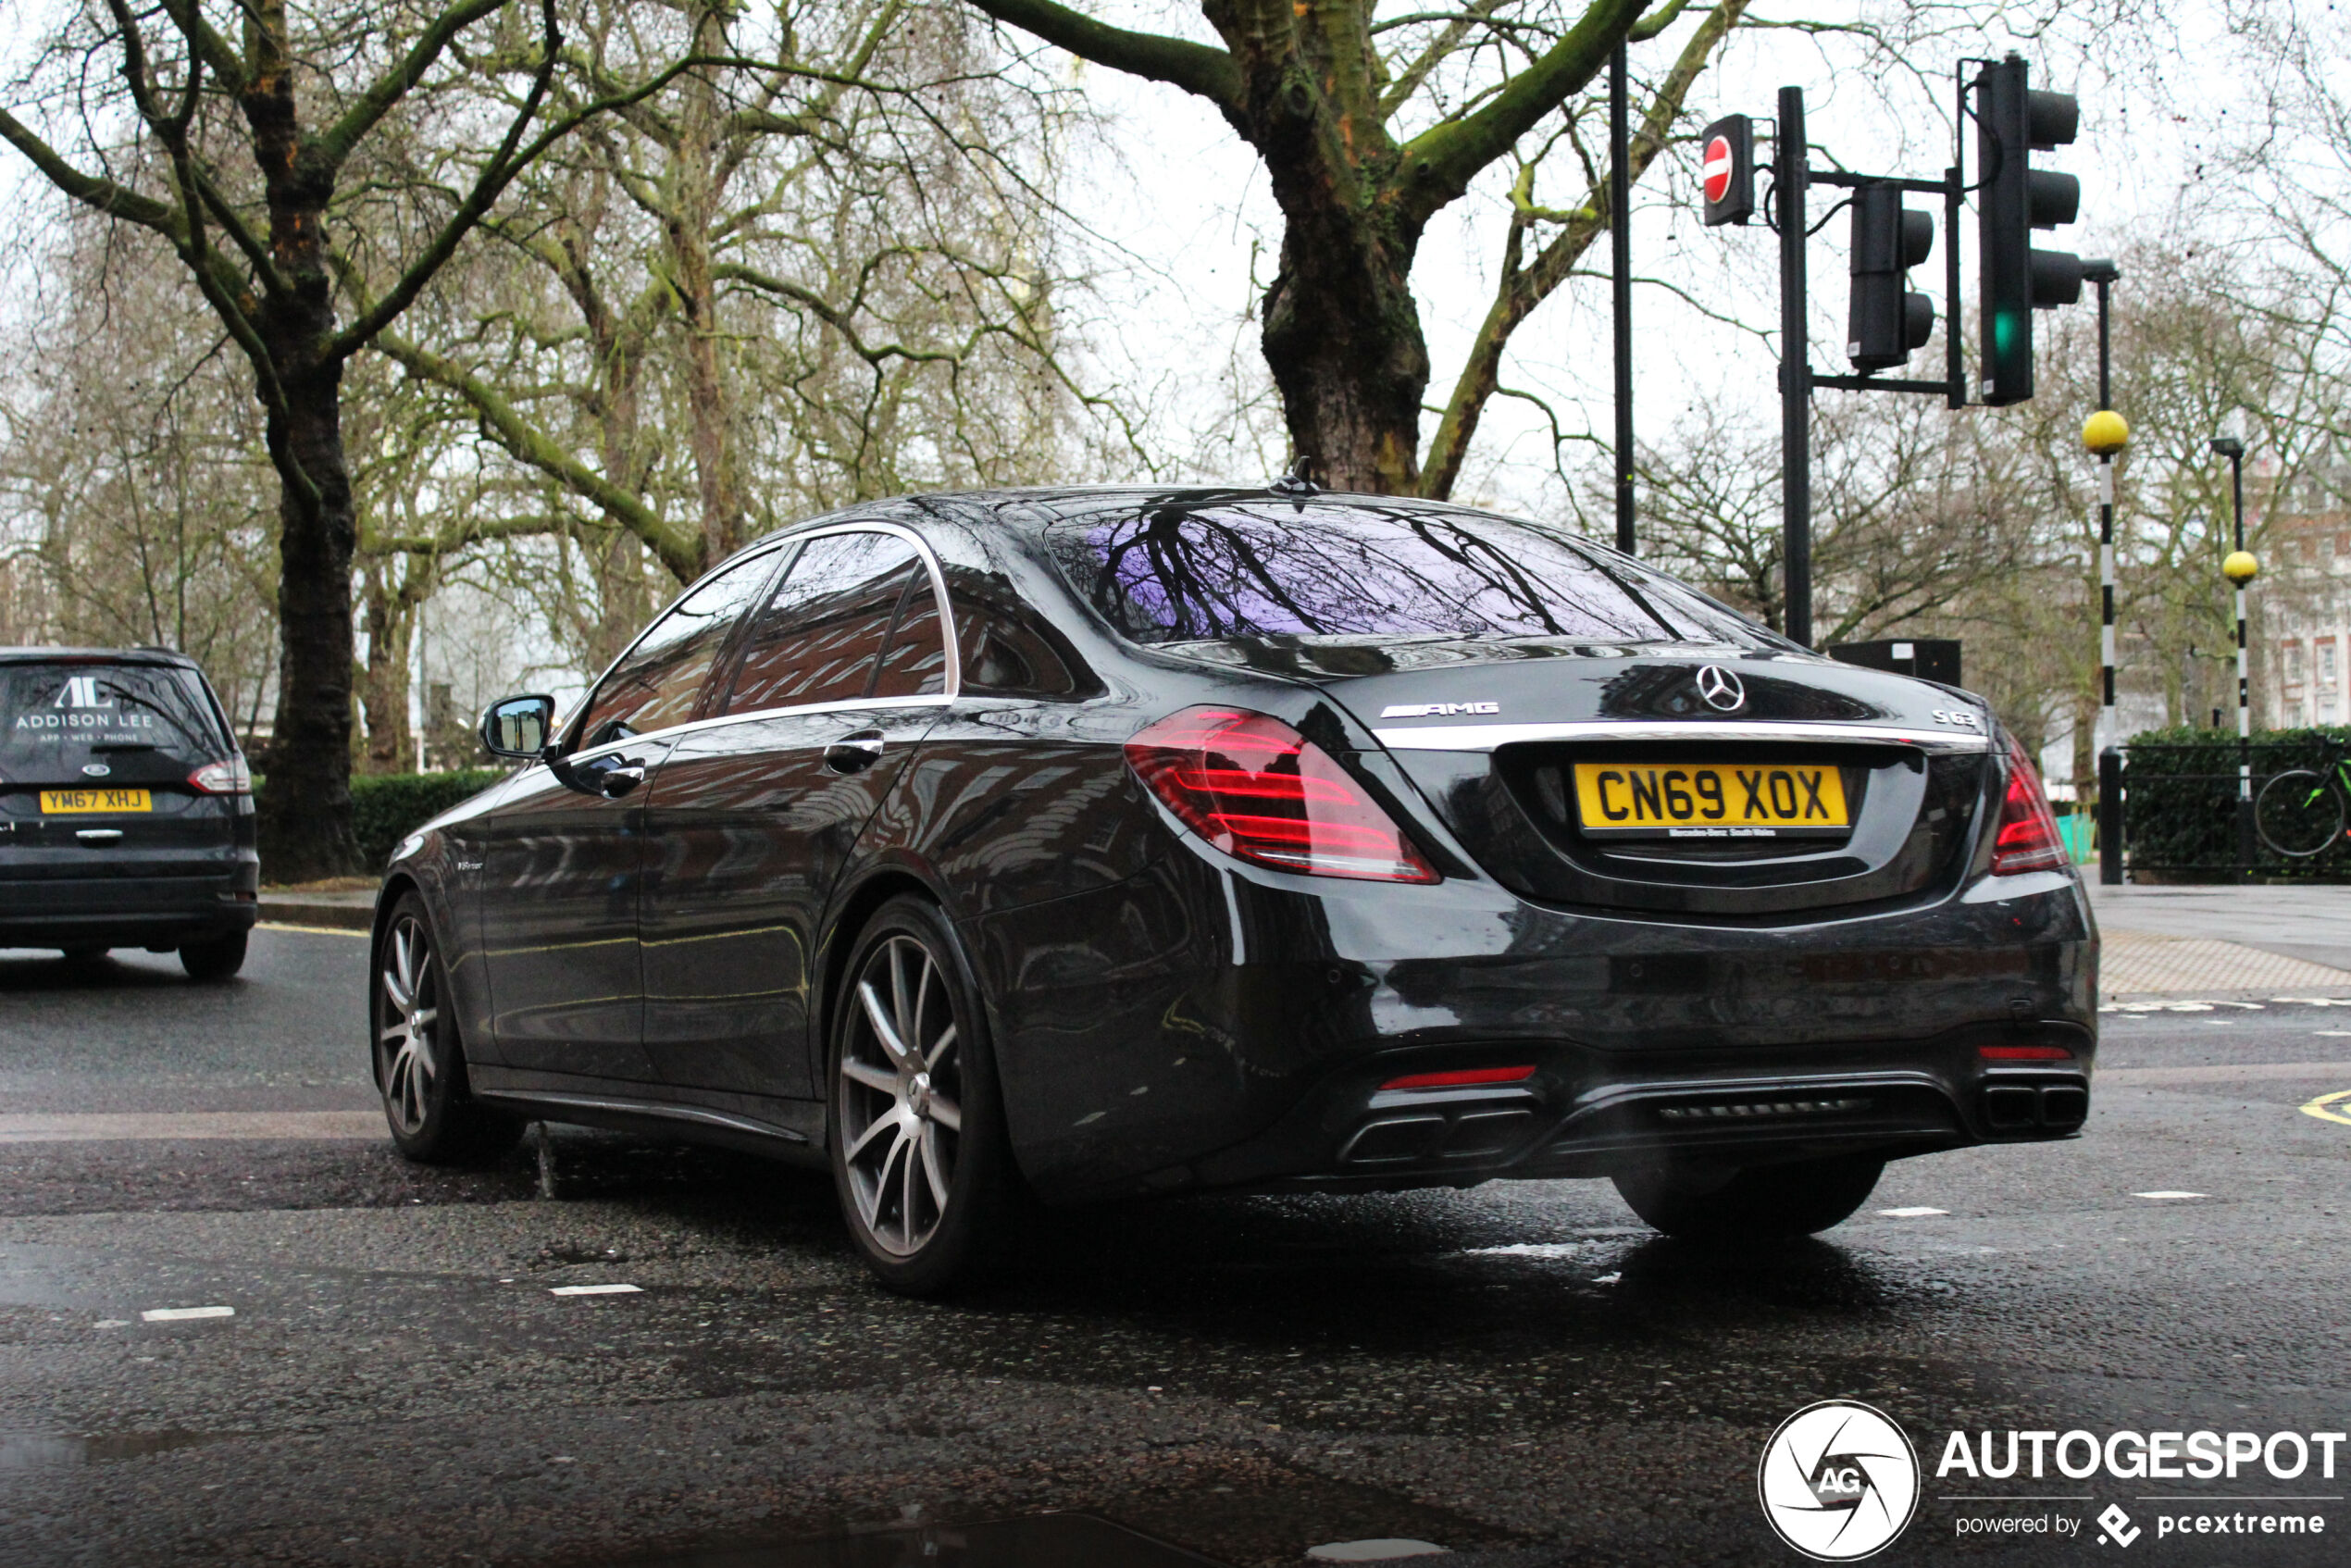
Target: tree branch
[
  {"x": 336, "y": 142},
  {"x": 1195, "y": 67},
  {"x": 1442, "y": 160},
  {"x": 679, "y": 549},
  {"x": 101, "y": 196}
]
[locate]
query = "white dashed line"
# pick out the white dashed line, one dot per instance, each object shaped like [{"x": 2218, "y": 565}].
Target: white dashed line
[
  {"x": 2167, "y": 1196},
  {"x": 1911, "y": 1213},
  {"x": 594, "y": 1290},
  {"x": 184, "y": 1314}
]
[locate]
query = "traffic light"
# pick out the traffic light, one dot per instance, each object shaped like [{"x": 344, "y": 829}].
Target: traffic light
[
  {"x": 2012, "y": 122},
  {"x": 1885, "y": 320},
  {"x": 1727, "y": 170}
]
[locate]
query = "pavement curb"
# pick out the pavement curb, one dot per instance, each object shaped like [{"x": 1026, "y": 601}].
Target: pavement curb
[{"x": 318, "y": 912}]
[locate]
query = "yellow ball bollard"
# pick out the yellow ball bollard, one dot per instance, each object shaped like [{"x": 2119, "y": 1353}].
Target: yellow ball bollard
[
  {"x": 2105, "y": 432},
  {"x": 2240, "y": 567}
]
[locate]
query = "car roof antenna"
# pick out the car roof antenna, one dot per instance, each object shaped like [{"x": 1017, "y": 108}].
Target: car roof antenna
[{"x": 1299, "y": 480}]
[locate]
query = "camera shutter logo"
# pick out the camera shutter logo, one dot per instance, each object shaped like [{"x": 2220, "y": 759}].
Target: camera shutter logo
[
  {"x": 1839, "y": 1481},
  {"x": 1723, "y": 692}
]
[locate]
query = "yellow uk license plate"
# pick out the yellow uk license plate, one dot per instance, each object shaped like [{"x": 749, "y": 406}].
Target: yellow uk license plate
[
  {"x": 64, "y": 803},
  {"x": 1709, "y": 799}
]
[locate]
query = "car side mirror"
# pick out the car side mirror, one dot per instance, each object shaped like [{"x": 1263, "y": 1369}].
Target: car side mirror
[{"x": 516, "y": 727}]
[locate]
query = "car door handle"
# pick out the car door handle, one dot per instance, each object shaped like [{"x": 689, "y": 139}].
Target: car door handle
[
  {"x": 855, "y": 754},
  {"x": 621, "y": 778}
]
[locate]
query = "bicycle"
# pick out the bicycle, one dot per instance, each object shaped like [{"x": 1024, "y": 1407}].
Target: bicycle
[{"x": 2301, "y": 811}]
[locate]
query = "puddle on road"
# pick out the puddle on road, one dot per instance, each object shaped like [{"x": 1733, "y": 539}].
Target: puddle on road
[
  {"x": 36, "y": 1450},
  {"x": 1052, "y": 1541}
]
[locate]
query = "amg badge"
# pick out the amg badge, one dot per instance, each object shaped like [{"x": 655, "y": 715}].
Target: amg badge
[{"x": 1436, "y": 710}]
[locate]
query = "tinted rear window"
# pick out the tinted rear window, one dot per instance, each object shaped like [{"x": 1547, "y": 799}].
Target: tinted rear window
[
  {"x": 57, "y": 717},
  {"x": 1183, "y": 573}
]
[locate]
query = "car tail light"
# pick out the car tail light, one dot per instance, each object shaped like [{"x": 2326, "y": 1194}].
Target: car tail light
[
  {"x": 1467, "y": 1079},
  {"x": 1258, "y": 789},
  {"x": 2024, "y": 1053},
  {"x": 2028, "y": 838},
  {"x": 229, "y": 777}
]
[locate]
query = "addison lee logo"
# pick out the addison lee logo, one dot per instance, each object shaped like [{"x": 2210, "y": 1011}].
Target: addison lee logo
[{"x": 1839, "y": 1481}]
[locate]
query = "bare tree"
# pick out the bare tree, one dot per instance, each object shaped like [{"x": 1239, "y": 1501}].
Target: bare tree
[{"x": 237, "y": 133}]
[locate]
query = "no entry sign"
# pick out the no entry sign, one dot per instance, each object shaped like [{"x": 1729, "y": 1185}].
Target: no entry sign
[
  {"x": 1718, "y": 169},
  {"x": 1727, "y": 171}
]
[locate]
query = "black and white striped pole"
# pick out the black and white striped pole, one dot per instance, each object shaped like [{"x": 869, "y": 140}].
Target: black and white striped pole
[
  {"x": 2241, "y": 568},
  {"x": 2105, "y": 434}
]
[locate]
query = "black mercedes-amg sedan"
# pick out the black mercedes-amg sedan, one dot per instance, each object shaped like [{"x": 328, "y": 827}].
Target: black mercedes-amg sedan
[{"x": 1080, "y": 844}]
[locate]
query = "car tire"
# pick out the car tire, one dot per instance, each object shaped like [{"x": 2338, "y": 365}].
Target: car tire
[
  {"x": 1803, "y": 1198},
  {"x": 921, "y": 1156},
  {"x": 216, "y": 958},
  {"x": 419, "y": 1055}
]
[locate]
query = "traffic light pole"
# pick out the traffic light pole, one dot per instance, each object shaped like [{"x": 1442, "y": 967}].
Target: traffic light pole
[
  {"x": 1620, "y": 228},
  {"x": 1790, "y": 175}
]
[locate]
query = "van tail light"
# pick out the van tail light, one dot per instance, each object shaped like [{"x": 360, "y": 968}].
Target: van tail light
[
  {"x": 229, "y": 777},
  {"x": 2028, "y": 837},
  {"x": 1258, "y": 790}
]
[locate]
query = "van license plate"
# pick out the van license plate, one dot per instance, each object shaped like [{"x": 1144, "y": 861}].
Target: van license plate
[
  {"x": 1710, "y": 800},
  {"x": 66, "y": 803}
]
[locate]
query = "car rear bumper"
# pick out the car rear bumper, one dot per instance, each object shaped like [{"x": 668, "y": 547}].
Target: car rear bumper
[
  {"x": 125, "y": 911},
  {"x": 1587, "y": 1114},
  {"x": 1202, "y": 1026}
]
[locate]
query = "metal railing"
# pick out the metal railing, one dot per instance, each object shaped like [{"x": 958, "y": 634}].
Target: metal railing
[{"x": 2184, "y": 811}]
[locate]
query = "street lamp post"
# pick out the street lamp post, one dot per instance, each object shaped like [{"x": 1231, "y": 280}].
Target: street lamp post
[
  {"x": 2105, "y": 433},
  {"x": 2240, "y": 570}
]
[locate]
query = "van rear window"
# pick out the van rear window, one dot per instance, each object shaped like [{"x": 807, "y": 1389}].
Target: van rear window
[{"x": 57, "y": 717}]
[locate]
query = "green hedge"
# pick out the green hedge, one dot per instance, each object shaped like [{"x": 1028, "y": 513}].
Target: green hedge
[
  {"x": 2181, "y": 814},
  {"x": 387, "y": 807}
]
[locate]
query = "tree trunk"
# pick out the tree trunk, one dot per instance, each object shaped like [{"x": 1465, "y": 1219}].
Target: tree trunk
[
  {"x": 304, "y": 824},
  {"x": 692, "y": 219},
  {"x": 383, "y": 685},
  {"x": 305, "y": 804}
]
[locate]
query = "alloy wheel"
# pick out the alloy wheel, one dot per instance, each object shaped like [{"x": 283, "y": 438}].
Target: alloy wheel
[
  {"x": 900, "y": 1087},
  {"x": 408, "y": 1025}
]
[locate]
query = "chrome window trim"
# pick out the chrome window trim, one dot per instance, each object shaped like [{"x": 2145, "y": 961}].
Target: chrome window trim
[
  {"x": 588, "y": 697},
  {"x": 720, "y": 721},
  {"x": 669, "y": 733},
  {"x": 929, "y": 559},
  {"x": 1488, "y": 737}
]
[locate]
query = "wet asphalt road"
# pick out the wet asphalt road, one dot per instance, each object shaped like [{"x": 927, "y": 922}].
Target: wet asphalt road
[{"x": 1520, "y": 1373}]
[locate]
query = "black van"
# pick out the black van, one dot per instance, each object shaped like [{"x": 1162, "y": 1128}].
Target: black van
[{"x": 126, "y": 809}]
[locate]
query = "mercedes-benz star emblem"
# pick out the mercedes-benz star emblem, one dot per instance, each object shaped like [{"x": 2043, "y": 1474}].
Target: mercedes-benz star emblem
[{"x": 1721, "y": 688}]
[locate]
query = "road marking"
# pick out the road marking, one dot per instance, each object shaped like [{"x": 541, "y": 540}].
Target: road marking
[
  {"x": 2232, "y": 1073},
  {"x": 184, "y": 1314},
  {"x": 114, "y": 1127},
  {"x": 2166, "y": 1197},
  {"x": 594, "y": 1290},
  {"x": 1911, "y": 1213},
  {"x": 2333, "y": 1034},
  {"x": 2329, "y": 1107},
  {"x": 315, "y": 930}
]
